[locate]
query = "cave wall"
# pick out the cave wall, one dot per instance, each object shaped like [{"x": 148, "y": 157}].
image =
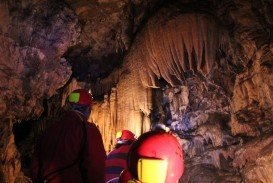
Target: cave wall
[
  {"x": 38, "y": 38},
  {"x": 157, "y": 53},
  {"x": 219, "y": 101},
  {"x": 214, "y": 58},
  {"x": 33, "y": 40}
]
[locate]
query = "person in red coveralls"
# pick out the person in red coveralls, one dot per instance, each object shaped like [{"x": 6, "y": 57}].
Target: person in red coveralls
[
  {"x": 116, "y": 159},
  {"x": 71, "y": 150}
]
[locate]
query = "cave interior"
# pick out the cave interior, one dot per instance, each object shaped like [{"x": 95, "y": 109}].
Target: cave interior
[{"x": 202, "y": 68}]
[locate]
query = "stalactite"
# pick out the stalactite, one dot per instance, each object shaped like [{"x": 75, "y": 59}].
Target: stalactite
[
  {"x": 170, "y": 47},
  {"x": 167, "y": 48}
]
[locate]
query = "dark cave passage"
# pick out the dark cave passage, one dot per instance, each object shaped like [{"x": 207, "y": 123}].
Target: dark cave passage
[{"x": 24, "y": 142}]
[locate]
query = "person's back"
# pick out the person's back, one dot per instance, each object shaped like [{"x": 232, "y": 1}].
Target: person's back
[
  {"x": 71, "y": 150},
  {"x": 116, "y": 159}
]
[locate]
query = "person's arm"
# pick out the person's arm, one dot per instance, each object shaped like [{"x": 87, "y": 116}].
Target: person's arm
[{"x": 93, "y": 163}]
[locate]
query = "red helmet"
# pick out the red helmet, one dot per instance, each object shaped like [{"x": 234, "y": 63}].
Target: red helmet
[
  {"x": 125, "y": 135},
  {"x": 80, "y": 96},
  {"x": 156, "y": 156}
]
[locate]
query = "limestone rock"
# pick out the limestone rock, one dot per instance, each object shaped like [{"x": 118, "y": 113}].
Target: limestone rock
[{"x": 255, "y": 160}]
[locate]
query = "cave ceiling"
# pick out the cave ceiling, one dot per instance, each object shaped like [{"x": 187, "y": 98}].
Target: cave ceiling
[{"x": 203, "y": 68}]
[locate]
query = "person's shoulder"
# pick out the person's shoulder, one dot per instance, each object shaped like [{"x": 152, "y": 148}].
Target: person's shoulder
[
  {"x": 91, "y": 125},
  {"x": 122, "y": 148},
  {"x": 72, "y": 118},
  {"x": 68, "y": 114},
  {"x": 74, "y": 115},
  {"x": 126, "y": 146}
]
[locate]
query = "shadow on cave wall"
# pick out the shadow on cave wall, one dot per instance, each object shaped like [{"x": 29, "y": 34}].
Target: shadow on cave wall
[
  {"x": 26, "y": 133},
  {"x": 21, "y": 133}
]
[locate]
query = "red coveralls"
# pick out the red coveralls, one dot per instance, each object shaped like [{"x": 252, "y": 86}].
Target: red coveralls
[
  {"x": 62, "y": 144},
  {"x": 116, "y": 162}
]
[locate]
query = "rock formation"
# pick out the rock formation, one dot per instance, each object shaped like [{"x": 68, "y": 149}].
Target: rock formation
[{"x": 202, "y": 68}]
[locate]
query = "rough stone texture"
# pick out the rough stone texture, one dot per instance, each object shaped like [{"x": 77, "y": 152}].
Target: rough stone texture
[
  {"x": 108, "y": 28},
  {"x": 256, "y": 163},
  {"x": 34, "y": 36},
  {"x": 37, "y": 33},
  {"x": 252, "y": 100},
  {"x": 116, "y": 21},
  {"x": 206, "y": 173},
  {"x": 203, "y": 68},
  {"x": 22, "y": 84},
  {"x": 31, "y": 68},
  {"x": 214, "y": 109},
  {"x": 10, "y": 158}
]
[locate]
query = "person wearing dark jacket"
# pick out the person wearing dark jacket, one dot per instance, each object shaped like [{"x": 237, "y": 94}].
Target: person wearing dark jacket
[
  {"x": 71, "y": 150},
  {"x": 116, "y": 159}
]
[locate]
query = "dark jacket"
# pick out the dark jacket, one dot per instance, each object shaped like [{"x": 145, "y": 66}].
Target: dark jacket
[
  {"x": 78, "y": 156},
  {"x": 116, "y": 162}
]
